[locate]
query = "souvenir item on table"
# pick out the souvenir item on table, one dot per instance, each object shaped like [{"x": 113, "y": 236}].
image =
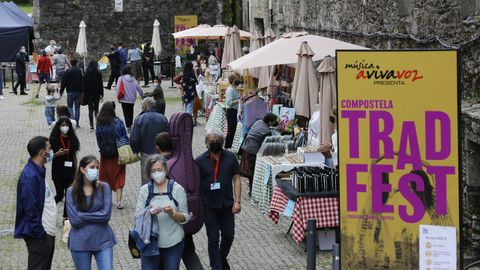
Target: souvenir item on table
[
  {"x": 315, "y": 179},
  {"x": 276, "y": 110},
  {"x": 287, "y": 114}
]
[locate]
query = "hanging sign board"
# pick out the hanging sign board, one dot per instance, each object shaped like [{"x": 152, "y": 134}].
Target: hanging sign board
[
  {"x": 182, "y": 45},
  {"x": 398, "y": 156}
]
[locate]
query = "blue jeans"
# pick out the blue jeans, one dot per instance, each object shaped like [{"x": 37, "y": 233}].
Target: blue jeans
[
  {"x": 50, "y": 115},
  {"x": 83, "y": 259},
  {"x": 188, "y": 107},
  {"x": 170, "y": 256},
  {"x": 74, "y": 99}
]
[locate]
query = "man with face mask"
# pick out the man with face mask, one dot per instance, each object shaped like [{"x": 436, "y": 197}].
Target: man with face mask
[
  {"x": 21, "y": 60},
  {"x": 115, "y": 63},
  {"x": 36, "y": 209},
  {"x": 221, "y": 190}
]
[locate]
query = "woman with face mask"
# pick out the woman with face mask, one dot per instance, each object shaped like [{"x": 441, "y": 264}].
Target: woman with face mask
[
  {"x": 232, "y": 97},
  {"x": 89, "y": 205},
  {"x": 65, "y": 145},
  {"x": 168, "y": 204}
]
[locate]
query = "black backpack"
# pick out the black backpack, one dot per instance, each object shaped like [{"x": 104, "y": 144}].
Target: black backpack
[{"x": 108, "y": 142}]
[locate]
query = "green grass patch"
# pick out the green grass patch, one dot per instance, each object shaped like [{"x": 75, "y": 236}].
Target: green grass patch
[
  {"x": 170, "y": 100},
  {"x": 33, "y": 102},
  {"x": 27, "y": 8}
]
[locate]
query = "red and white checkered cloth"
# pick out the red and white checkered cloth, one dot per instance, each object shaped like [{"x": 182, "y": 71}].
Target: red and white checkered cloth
[
  {"x": 278, "y": 204},
  {"x": 324, "y": 210}
]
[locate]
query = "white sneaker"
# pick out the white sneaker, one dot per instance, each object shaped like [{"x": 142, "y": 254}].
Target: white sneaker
[{"x": 2, "y": 97}]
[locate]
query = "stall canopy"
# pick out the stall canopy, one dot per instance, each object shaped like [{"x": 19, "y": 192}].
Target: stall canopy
[
  {"x": 15, "y": 30},
  {"x": 284, "y": 50},
  {"x": 215, "y": 32}
]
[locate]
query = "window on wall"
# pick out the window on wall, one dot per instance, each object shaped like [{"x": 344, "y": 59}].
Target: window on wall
[{"x": 259, "y": 25}]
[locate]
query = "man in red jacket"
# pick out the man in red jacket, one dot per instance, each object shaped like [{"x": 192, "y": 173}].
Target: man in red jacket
[{"x": 44, "y": 70}]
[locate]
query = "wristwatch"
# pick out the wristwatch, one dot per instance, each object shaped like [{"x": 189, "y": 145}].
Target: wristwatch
[{"x": 236, "y": 201}]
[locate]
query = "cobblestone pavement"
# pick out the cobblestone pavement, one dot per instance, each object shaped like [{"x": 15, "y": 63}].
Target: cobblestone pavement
[{"x": 259, "y": 244}]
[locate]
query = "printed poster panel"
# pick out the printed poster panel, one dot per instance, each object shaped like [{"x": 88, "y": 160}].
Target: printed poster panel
[
  {"x": 398, "y": 153},
  {"x": 182, "y": 45}
]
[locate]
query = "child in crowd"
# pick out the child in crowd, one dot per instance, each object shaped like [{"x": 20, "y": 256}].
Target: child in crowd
[{"x": 50, "y": 99}]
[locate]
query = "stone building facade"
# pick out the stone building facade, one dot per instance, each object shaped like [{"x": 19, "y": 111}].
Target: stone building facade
[
  {"x": 398, "y": 24},
  {"x": 59, "y": 20}
]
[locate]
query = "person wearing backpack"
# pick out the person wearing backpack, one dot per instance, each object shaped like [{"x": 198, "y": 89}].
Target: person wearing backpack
[
  {"x": 167, "y": 201},
  {"x": 109, "y": 126}
]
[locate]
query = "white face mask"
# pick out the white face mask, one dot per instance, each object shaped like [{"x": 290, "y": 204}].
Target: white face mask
[
  {"x": 92, "y": 174},
  {"x": 159, "y": 177},
  {"x": 64, "y": 129},
  {"x": 155, "y": 84}
]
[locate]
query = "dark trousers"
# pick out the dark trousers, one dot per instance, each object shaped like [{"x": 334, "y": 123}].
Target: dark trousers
[
  {"x": 114, "y": 74},
  {"x": 190, "y": 257},
  {"x": 21, "y": 81},
  {"x": 61, "y": 186},
  {"x": 40, "y": 252},
  {"x": 73, "y": 104},
  {"x": 232, "y": 127},
  {"x": 92, "y": 111},
  {"x": 127, "y": 109},
  {"x": 146, "y": 69},
  {"x": 160, "y": 107},
  {"x": 219, "y": 222}
]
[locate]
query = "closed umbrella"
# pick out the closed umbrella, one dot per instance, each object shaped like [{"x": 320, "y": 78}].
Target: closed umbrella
[
  {"x": 255, "y": 43},
  {"x": 265, "y": 76},
  {"x": 156, "y": 42},
  {"x": 305, "y": 84},
  {"x": 82, "y": 42},
  {"x": 327, "y": 97},
  {"x": 226, "y": 48},
  {"x": 235, "y": 43}
]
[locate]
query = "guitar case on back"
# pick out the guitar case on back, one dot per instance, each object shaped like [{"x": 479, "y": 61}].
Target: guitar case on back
[{"x": 184, "y": 170}]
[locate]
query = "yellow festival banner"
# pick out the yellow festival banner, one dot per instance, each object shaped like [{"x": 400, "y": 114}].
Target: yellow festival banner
[
  {"x": 182, "y": 45},
  {"x": 398, "y": 159}
]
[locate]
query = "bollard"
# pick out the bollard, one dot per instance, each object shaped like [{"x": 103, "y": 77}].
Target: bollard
[
  {"x": 335, "y": 257},
  {"x": 311, "y": 244}
]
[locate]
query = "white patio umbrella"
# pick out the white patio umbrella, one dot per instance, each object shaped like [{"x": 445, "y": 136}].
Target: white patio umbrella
[
  {"x": 216, "y": 32},
  {"x": 265, "y": 76},
  {"x": 156, "y": 42},
  {"x": 327, "y": 97},
  {"x": 82, "y": 42},
  {"x": 186, "y": 33},
  {"x": 283, "y": 50},
  {"x": 305, "y": 84},
  {"x": 255, "y": 43}
]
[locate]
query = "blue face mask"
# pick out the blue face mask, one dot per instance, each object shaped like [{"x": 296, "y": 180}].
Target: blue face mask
[
  {"x": 50, "y": 156},
  {"x": 92, "y": 175}
]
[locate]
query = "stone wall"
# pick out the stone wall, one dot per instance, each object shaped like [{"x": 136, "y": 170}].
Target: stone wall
[
  {"x": 356, "y": 20},
  {"x": 59, "y": 20},
  {"x": 454, "y": 22}
]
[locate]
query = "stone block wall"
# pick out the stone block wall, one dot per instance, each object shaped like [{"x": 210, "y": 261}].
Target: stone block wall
[
  {"x": 400, "y": 24},
  {"x": 59, "y": 20},
  {"x": 454, "y": 22}
]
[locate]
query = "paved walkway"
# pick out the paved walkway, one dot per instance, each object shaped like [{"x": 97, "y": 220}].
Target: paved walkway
[{"x": 259, "y": 244}]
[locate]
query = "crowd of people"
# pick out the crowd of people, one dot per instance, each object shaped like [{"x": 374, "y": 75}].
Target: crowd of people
[{"x": 86, "y": 185}]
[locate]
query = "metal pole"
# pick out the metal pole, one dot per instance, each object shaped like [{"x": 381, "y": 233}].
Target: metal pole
[
  {"x": 311, "y": 243},
  {"x": 335, "y": 257}
]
